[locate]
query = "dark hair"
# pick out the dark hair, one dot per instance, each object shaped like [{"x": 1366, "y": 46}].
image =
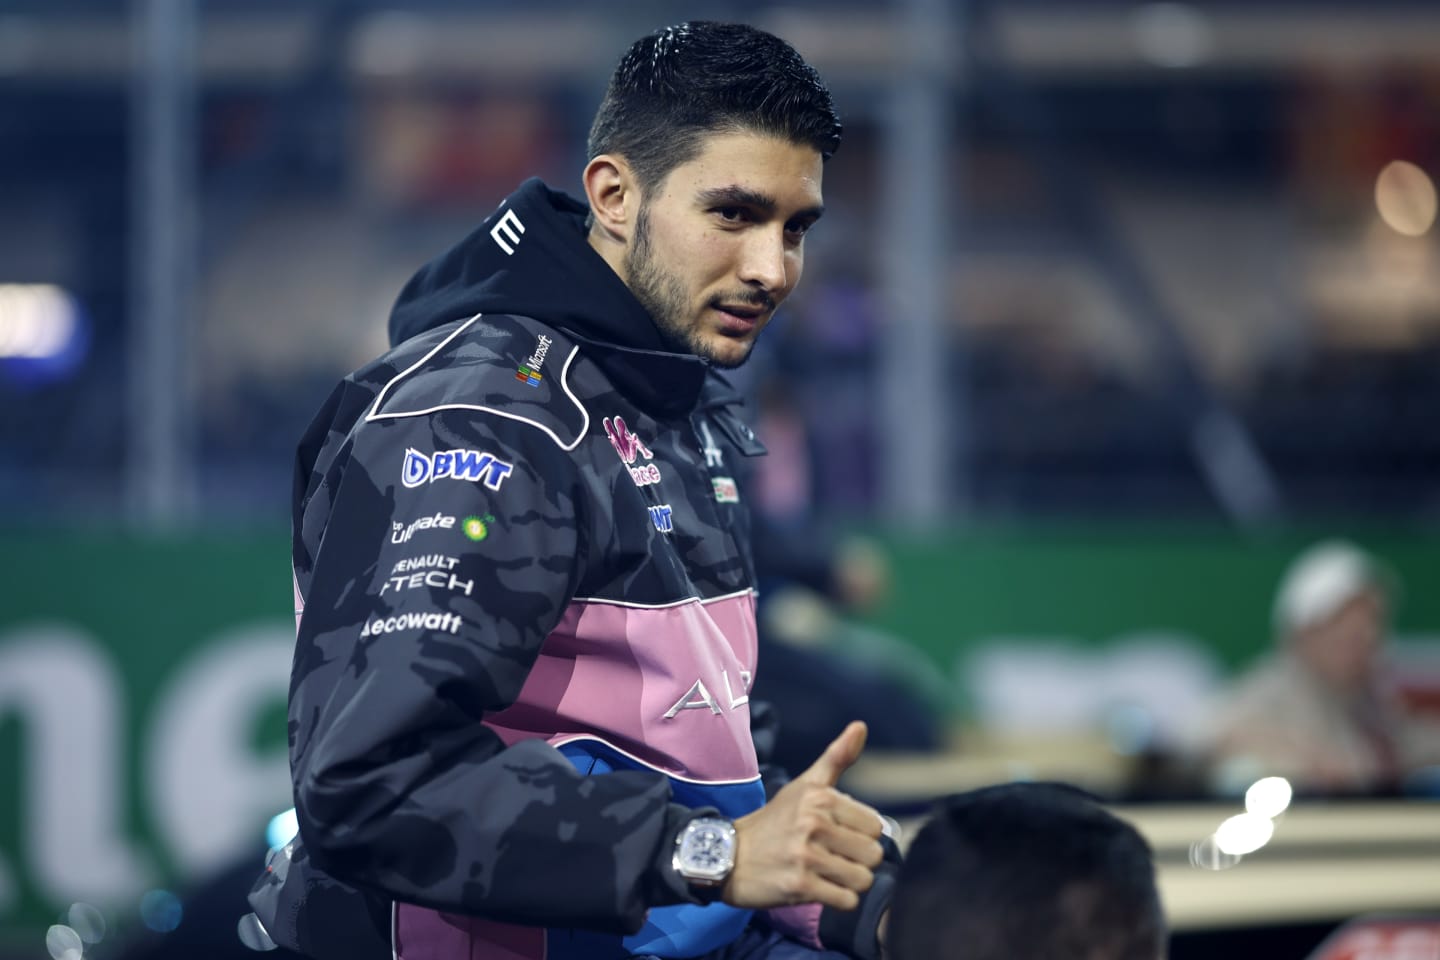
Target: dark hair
[
  {"x": 1026, "y": 871},
  {"x": 683, "y": 82}
]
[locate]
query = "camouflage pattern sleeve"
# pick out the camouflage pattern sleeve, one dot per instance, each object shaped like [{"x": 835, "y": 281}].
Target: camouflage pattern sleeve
[{"x": 448, "y": 550}]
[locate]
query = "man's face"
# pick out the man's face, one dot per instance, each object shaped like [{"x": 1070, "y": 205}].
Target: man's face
[
  {"x": 1343, "y": 649},
  {"x": 719, "y": 243}
]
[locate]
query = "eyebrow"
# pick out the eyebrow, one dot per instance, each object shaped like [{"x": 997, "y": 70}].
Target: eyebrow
[{"x": 737, "y": 195}]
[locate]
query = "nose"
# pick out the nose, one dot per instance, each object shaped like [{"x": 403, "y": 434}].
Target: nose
[{"x": 764, "y": 260}]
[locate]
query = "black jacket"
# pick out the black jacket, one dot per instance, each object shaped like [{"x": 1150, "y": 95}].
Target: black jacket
[{"x": 521, "y": 560}]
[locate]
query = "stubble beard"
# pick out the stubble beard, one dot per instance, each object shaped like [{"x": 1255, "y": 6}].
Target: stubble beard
[{"x": 663, "y": 296}]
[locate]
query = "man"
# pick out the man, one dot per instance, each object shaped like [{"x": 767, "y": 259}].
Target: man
[
  {"x": 519, "y": 713},
  {"x": 1026, "y": 871},
  {"x": 1319, "y": 711}
]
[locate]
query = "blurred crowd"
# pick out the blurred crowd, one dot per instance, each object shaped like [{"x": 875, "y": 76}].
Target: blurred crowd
[
  {"x": 1325, "y": 708},
  {"x": 1130, "y": 247}
]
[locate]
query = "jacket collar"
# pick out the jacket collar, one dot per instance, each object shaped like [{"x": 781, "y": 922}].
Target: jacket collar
[{"x": 664, "y": 385}]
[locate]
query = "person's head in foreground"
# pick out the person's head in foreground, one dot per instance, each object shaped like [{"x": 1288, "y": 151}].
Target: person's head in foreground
[
  {"x": 1332, "y": 612},
  {"x": 1026, "y": 871},
  {"x": 704, "y": 176}
]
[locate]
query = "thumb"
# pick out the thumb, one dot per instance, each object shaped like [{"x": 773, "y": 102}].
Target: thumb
[{"x": 843, "y": 751}]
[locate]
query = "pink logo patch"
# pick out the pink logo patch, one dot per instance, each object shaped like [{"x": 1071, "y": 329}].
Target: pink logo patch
[{"x": 625, "y": 443}]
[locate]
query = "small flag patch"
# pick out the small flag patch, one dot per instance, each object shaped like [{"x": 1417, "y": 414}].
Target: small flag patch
[{"x": 725, "y": 490}]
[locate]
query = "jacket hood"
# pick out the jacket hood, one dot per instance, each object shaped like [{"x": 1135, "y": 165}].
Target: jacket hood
[{"x": 530, "y": 257}]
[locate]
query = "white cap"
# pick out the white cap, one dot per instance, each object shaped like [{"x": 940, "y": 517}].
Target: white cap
[{"x": 1321, "y": 580}]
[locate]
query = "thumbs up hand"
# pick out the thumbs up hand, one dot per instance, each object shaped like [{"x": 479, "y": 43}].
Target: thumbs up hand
[{"x": 810, "y": 843}]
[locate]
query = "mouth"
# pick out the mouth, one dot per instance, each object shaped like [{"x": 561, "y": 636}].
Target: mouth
[{"x": 738, "y": 320}]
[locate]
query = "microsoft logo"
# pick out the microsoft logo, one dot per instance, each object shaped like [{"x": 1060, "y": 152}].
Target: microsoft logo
[{"x": 529, "y": 372}]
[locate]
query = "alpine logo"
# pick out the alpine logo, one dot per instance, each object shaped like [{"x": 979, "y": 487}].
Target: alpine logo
[
  {"x": 699, "y": 697},
  {"x": 420, "y": 469},
  {"x": 625, "y": 443}
]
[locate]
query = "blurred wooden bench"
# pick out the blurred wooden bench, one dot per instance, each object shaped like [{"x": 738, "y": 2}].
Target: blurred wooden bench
[{"x": 1324, "y": 862}]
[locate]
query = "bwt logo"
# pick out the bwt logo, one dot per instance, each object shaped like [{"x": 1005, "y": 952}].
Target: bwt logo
[
  {"x": 625, "y": 443},
  {"x": 455, "y": 464}
]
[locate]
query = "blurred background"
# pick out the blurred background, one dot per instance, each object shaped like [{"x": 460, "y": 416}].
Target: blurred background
[{"x": 1116, "y": 308}]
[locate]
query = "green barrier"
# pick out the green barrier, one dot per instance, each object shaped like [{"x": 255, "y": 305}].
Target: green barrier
[
  {"x": 951, "y": 592},
  {"x": 142, "y": 718},
  {"x": 142, "y": 681}
]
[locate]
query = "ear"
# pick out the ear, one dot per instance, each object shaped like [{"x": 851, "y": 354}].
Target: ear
[{"x": 613, "y": 195}]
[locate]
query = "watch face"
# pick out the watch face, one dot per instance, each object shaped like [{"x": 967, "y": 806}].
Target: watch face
[{"x": 707, "y": 850}]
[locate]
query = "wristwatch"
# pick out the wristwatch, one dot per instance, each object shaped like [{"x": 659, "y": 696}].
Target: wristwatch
[{"x": 705, "y": 853}]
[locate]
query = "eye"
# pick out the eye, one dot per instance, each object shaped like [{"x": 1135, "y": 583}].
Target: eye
[
  {"x": 734, "y": 215},
  {"x": 795, "y": 231}
]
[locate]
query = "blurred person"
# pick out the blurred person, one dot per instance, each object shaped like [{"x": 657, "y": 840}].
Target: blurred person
[
  {"x": 1319, "y": 711},
  {"x": 1026, "y": 871},
  {"x": 520, "y": 722},
  {"x": 823, "y": 668},
  {"x": 833, "y": 345}
]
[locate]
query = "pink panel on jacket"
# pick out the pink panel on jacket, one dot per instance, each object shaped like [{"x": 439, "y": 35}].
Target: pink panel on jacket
[
  {"x": 800, "y": 922},
  {"x": 422, "y": 934},
  {"x": 614, "y": 672}
]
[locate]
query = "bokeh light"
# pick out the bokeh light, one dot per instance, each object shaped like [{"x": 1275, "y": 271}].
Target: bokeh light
[
  {"x": 37, "y": 320},
  {"x": 1405, "y": 197},
  {"x": 1243, "y": 834},
  {"x": 1207, "y": 855},
  {"x": 282, "y": 829},
  {"x": 87, "y": 921},
  {"x": 161, "y": 911},
  {"x": 64, "y": 943},
  {"x": 1268, "y": 797}
]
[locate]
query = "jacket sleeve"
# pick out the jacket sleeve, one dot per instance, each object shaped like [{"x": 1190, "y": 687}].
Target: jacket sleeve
[
  {"x": 856, "y": 933},
  {"x": 439, "y": 558}
]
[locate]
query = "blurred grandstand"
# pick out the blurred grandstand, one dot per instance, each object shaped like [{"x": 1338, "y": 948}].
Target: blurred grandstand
[
  {"x": 1162, "y": 282},
  {"x": 1114, "y": 306}
]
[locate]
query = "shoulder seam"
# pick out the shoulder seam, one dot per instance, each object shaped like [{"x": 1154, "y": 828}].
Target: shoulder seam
[
  {"x": 564, "y": 739},
  {"x": 375, "y": 413},
  {"x": 702, "y": 601}
]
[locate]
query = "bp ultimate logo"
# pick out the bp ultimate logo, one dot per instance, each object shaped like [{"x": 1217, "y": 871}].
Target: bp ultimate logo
[
  {"x": 420, "y": 469},
  {"x": 529, "y": 371}
]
